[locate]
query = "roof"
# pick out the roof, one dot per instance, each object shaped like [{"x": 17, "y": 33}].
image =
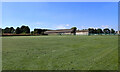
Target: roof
[
  {"x": 117, "y": 31},
  {"x": 59, "y": 31},
  {"x": 63, "y": 31},
  {"x": 82, "y": 31}
]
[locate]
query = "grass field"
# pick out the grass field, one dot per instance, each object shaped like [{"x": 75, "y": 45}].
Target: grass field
[{"x": 60, "y": 53}]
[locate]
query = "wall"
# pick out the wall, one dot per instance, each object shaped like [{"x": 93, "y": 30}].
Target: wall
[{"x": 81, "y": 33}]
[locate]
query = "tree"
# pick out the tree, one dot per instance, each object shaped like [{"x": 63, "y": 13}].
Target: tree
[
  {"x": 74, "y": 30},
  {"x": 91, "y": 31},
  {"x": 32, "y": 32},
  {"x": 43, "y": 30},
  {"x": 7, "y": 30},
  {"x": 99, "y": 31},
  {"x": 12, "y": 30},
  {"x": 25, "y": 29},
  {"x": 18, "y": 31},
  {"x": 95, "y": 31},
  {"x": 112, "y": 31},
  {"x": 0, "y": 31},
  {"x": 37, "y": 31},
  {"x": 106, "y": 31}
]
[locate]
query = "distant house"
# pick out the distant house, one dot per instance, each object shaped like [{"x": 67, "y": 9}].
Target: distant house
[
  {"x": 82, "y": 32},
  {"x": 66, "y": 32},
  {"x": 118, "y": 32},
  {"x": 59, "y": 32}
]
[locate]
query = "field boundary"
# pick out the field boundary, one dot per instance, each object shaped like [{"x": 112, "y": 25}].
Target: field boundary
[{"x": 60, "y": 71}]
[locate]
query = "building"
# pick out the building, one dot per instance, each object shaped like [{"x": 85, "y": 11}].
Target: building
[
  {"x": 59, "y": 32},
  {"x": 66, "y": 32},
  {"x": 82, "y": 32},
  {"x": 118, "y": 32}
]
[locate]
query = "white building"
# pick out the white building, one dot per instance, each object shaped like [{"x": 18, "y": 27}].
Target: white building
[
  {"x": 82, "y": 32},
  {"x": 118, "y": 32},
  {"x": 66, "y": 32}
]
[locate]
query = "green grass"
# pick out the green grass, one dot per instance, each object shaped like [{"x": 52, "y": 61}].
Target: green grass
[{"x": 60, "y": 53}]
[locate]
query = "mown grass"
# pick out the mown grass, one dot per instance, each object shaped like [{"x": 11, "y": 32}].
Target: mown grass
[{"x": 60, "y": 53}]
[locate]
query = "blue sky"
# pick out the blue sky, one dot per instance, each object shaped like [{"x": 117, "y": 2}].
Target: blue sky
[{"x": 60, "y": 15}]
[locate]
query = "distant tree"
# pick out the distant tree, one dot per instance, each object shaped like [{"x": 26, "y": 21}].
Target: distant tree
[
  {"x": 91, "y": 30},
  {"x": 18, "y": 31},
  {"x": 95, "y": 31},
  {"x": 74, "y": 30},
  {"x": 0, "y": 31},
  {"x": 32, "y": 32},
  {"x": 12, "y": 30},
  {"x": 37, "y": 31},
  {"x": 43, "y": 30},
  {"x": 106, "y": 31},
  {"x": 99, "y": 31},
  {"x": 25, "y": 29},
  {"x": 112, "y": 31},
  {"x": 7, "y": 30}
]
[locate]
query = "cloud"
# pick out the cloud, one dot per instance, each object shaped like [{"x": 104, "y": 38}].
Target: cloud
[
  {"x": 83, "y": 27},
  {"x": 61, "y": 27},
  {"x": 67, "y": 25},
  {"x": 39, "y": 23},
  {"x": 102, "y": 26},
  {"x": 105, "y": 26},
  {"x": 94, "y": 27}
]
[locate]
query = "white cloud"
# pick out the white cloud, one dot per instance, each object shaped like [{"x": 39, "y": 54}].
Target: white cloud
[
  {"x": 61, "y": 27},
  {"x": 95, "y": 27},
  {"x": 38, "y": 23},
  {"x": 105, "y": 26},
  {"x": 82, "y": 27},
  {"x": 67, "y": 25},
  {"x": 102, "y": 26}
]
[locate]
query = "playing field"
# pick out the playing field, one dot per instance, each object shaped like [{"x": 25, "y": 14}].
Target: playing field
[{"x": 60, "y": 53}]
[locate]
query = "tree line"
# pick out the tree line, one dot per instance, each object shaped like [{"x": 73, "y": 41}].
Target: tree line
[
  {"x": 18, "y": 30},
  {"x": 101, "y": 31},
  {"x": 22, "y": 30},
  {"x": 26, "y": 30}
]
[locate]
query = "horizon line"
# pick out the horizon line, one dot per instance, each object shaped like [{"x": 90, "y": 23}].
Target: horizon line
[{"x": 59, "y": 0}]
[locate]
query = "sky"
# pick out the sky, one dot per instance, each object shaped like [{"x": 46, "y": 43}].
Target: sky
[{"x": 60, "y": 15}]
